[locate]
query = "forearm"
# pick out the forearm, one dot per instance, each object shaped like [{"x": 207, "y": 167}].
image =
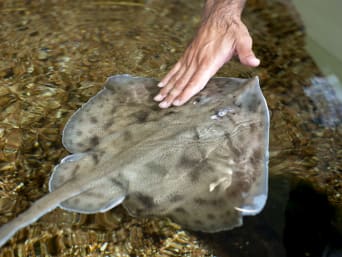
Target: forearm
[{"x": 223, "y": 9}]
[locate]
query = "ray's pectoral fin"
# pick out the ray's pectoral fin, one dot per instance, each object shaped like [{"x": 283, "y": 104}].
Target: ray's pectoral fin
[
  {"x": 250, "y": 96},
  {"x": 254, "y": 104},
  {"x": 96, "y": 195},
  {"x": 100, "y": 116},
  {"x": 134, "y": 89},
  {"x": 91, "y": 123}
]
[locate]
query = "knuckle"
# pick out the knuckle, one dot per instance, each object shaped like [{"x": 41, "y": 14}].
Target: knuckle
[
  {"x": 165, "y": 90},
  {"x": 174, "y": 92},
  {"x": 179, "y": 86},
  {"x": 185, "y": 97},
  {"x": 169, "y": 98},
  {"x": 189, "y": 93}
]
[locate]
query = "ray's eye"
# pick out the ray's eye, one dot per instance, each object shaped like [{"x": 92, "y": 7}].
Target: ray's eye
[
  {"x": 225, "y": 111},
  {"x": 222, "y": 112}
]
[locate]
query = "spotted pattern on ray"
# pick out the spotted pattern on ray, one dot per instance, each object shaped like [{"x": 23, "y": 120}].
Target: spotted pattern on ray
[{"x": 204, "y": 165}]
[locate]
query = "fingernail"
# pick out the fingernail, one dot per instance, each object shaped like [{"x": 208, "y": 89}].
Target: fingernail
[
  {"x": 254, "y": 61},
  {"x": 164, "y": 104},
  {"x": 160, "y": 84},
  {"x": 177, "y": 103},
  {"x": 158, "y": 98}
]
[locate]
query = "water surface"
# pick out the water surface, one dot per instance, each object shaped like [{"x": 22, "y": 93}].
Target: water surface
[{"x": 55, "y": 55}]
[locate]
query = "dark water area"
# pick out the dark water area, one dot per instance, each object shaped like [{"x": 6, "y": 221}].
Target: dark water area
[
  {"x": 55, "y": 55},
  {"x": 297, "y": 221}
]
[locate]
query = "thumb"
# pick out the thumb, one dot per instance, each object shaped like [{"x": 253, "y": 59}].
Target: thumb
[{"x": 244, "y": 51}]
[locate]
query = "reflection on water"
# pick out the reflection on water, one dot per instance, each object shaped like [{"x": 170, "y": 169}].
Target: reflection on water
[
  {"x": 327, "y": 103},
  {"x": 55, "y": 55}
]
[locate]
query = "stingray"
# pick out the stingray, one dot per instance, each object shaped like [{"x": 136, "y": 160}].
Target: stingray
[{"x": 204, "y": 164}]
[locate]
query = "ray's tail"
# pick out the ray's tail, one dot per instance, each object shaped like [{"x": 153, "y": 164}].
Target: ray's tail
[{"x": 37, "y": 210}]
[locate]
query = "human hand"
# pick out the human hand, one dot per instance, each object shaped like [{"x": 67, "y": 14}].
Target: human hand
[{"x": 214, "y": 45}]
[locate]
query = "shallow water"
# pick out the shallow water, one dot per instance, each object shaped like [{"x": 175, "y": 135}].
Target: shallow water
[{"x": 55, "y": 55}]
